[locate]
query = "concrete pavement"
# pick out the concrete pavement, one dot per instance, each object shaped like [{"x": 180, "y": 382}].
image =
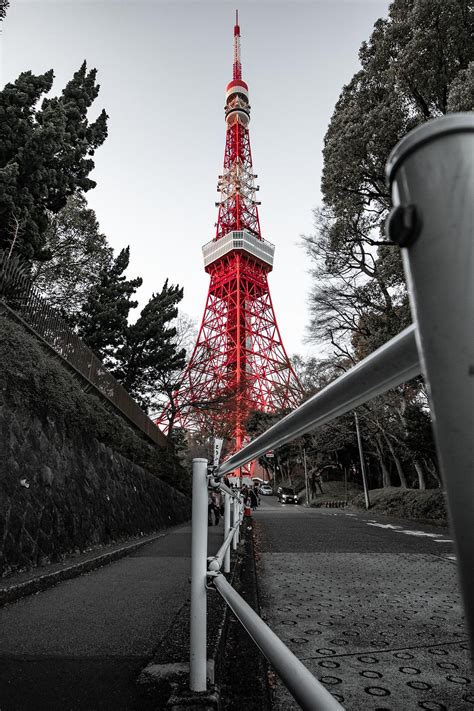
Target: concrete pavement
[
  {"x": 80, "y": 645},
  {"x": 371, "y": 605}
]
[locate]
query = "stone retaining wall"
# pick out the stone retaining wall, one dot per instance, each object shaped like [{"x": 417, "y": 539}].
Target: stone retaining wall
[{"x": 61, "y": 493}]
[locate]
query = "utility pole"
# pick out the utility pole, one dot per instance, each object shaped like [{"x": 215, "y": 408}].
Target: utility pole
[
  {"x": 306, "y": 476},
  {"x": 362, "y": 463}
]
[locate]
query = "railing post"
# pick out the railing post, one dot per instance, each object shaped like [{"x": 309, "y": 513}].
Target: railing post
[
  {"x": 432, "y": 175},
  {"x": 235, "y": 518},
  {"x": 198, "y": 636},
  {"x": 239, "y": 518},
  {"x": 227, "y": 528}
]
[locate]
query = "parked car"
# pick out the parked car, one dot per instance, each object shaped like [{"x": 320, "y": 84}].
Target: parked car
[
  {"x": 287, "y": 496},
  {"x": 266, "y": 490}
]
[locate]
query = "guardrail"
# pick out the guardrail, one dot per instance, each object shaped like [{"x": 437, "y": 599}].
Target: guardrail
[
  {"x": 26, "y": 304},
  {"x": 431, "y": 174},
  {"x": 209, "y": 571}
]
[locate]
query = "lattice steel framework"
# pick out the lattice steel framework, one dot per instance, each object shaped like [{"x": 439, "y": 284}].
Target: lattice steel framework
[{"x": 239, "y": 363}]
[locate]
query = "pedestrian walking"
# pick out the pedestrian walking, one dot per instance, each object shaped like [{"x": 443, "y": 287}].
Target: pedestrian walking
[
  {"x": 247, "y": 507},
  {"x": 216, "y": 506},
  {"x": 253, "y": 499},
  {"x": 210, "y": 508}
]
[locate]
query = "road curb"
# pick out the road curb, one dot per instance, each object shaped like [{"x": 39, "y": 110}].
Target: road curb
[{"x": 49, "y": 579}]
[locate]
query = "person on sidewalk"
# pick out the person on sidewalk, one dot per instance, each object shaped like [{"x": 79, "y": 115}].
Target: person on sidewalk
[
  {"x": 247, "y": 507},
  {"x": 210, "y": 508},
  {"x": 216, "y": 506},
  {"x": 253, "y": 499}
]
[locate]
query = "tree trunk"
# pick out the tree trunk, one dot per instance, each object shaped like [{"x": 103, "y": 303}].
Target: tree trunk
[
  {"x": 400, "y": 472},
  {"x": 319, "y": 479},
  {"x": 286, "y": 470},
  {"x": 430, "y": 465},
  {"x": 385, "y": 473},
  {"x": 421, "y": 474}
]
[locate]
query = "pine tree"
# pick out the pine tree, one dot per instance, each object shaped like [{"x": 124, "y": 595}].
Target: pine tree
[
  {"x": 103, "y": 320},
  {"x": 45, "y": 154},
  {"x": 3, "y": 8},
  {"x": 150, "y": 352}
]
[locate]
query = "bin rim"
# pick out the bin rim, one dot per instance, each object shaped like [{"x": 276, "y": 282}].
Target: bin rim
[{"x": 435, "y": 128}]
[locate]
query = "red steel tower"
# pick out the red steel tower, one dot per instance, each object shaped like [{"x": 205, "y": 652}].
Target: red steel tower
[{"x": 239, "y": 363}]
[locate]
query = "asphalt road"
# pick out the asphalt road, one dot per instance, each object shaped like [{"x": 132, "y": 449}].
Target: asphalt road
[
  {"x": 80, "y": 645},
  {"x": 371, "y": 605}
]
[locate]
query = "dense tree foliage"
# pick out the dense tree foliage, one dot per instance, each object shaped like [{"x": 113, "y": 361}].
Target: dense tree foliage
[
  {"x": 103, "y": 321},
  {"x": 150, "y": 353},
  {"x": 45, "y": 155},
  {"x": 396, "y": 432},
  {"x": 3, "y": 8},
  {"x": 79, "y": 254},
  {"x": 168, "y": 381},
  {"x": 144, "y": 355},
  {"x": 417, "y": 64}
]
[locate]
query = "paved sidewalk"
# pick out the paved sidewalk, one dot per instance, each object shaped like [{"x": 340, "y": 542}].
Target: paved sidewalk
[
  {"x": 372, "y": 607},
  {"x": 43, "y": 577},
  {"x": 79, "y": 646}
]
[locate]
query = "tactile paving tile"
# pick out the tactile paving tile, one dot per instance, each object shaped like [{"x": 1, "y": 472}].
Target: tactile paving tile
[{"x": 384, "y": 632}]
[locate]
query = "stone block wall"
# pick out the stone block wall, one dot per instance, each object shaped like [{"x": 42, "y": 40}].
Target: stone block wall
[{"x": 61, "y": 493}]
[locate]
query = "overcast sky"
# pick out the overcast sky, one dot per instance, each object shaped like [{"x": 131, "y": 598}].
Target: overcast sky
[{"x": 163, "y": 68}]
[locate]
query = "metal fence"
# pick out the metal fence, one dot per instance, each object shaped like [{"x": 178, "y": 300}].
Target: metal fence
[
  {"x": 431, "y": 173},
  {"x": 25, "y": 302}
]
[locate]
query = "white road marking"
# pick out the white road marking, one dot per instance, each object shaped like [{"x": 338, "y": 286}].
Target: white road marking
[
  {"x": 422, "y": 533},
  {"x": 437, "y": 537}
]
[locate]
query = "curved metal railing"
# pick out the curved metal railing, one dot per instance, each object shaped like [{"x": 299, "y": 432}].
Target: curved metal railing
[{"x": 431, "y": 173}]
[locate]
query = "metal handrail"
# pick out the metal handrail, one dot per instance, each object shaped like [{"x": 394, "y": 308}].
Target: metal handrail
[
  {"x": 395, "y": 362},
  {"x": 304, "y": 687},
  {"x": 307, "y": 690},
  {"x": 431, "y": 205},
  {"x": 215, "y": 562}
]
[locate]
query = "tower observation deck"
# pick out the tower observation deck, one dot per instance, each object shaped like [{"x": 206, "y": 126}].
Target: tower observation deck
[{"x": 239, "y": 363}]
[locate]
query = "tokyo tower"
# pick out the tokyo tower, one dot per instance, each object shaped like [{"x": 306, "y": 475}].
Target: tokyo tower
[{"x": 239, "y": 363}]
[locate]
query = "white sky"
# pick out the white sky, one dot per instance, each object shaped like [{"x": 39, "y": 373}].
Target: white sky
[{"x": 163, "y": 68}]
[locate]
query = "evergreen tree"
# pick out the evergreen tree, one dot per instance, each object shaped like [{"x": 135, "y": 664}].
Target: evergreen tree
[
  {"x": 3, "y": 8},
  {"x": 45, "y": 155},
  {"x": 79, "y": 254},
  {"x": 150, "y": 353},
  {"x": 103, "y": 320}
]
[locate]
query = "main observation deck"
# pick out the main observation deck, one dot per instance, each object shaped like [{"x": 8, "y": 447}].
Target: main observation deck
[{"x": 241, "y": 240}]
